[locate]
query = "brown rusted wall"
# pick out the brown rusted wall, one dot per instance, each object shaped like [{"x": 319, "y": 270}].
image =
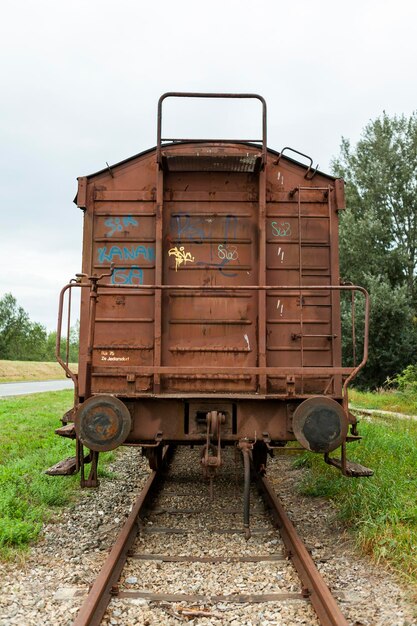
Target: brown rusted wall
[{"x": 206, "y": 230}]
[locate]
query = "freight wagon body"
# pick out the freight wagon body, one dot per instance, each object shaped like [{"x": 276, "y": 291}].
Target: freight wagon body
[{"x": 210, "y": 303}]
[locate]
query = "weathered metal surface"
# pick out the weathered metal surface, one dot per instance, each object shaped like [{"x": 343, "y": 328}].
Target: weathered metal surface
[
  {"x": 176, "y": 94},
  {"x": 320, "y": 424},
  {"x": 210, "y": 273},
  {"x": 102, "y": 423},
  {"x": 63, "y": 468},
  {"x": 206, "y": 163},
  {"x": 318, "y": 592},
  {"x": 355, "y": 470},
  {"x": 211, "y": 459},
  {"x": 66, "y": 431},
  {"x": 214, "y": 228}
]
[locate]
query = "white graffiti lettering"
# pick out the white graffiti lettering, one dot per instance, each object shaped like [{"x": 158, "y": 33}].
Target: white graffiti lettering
[{"x": 227, "y": 252}]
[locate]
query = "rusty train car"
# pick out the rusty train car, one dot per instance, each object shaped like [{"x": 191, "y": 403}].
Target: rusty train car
[{"x": 210, "y": 304}]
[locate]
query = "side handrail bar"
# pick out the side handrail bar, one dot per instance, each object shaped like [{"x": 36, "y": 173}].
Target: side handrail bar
[
  {"x": 291, "y": 288},
  {"x": 62, "y": 363}
]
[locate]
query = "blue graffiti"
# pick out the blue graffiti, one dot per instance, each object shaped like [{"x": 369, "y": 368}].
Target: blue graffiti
[
  {"x": 187, "y": 229},
  {"x": 220, "y": 267},
  {"x": 131, "y": 276},
  {"x": 196, "y": 229},
  {"x": 231, "y": 222},
  {"x": 125, "y": 254},
  {"x": 116, "y": 224}
]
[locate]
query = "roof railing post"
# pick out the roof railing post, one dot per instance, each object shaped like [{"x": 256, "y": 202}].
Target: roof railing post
[{"x": 185, "y": 94}]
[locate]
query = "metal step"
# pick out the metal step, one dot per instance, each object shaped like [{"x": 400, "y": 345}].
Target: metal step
[
  {"x": 63, "y": 468},
  {"x": 66, "y": 431},
  {"x": 354, "y": 470}
]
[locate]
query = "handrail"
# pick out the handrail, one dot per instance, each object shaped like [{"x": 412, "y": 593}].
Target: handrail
[
  {"x": 302, "y": 289},
  {"x": 189, "y": 94},
  {"x": 62, "y": 363},
  {"x": 306, "y": 175}
]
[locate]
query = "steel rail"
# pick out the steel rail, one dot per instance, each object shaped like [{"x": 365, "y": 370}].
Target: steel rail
[
  {"x": 315, "y": 588},
  {"x": 94, "y": 607}
]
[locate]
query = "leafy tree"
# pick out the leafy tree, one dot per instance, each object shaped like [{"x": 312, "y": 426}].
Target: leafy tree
[
  {"x": 381, "y": 185},
  {"x": 24, "y": 340},
  {"x": 378, "y": 238},
  {"x": 73, "y": 345},
  {"x": 12, "y": 320},
  {"x": 392, "y": 332},
  {"x": 20, "y": 339}
]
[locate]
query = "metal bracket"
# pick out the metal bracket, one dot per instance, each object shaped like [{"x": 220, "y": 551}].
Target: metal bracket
[
  {"x": 290, "y": 382},
  {"x": 92, "y": 480},
  {"x": 348, "y": 468},
  {"x": 270, "y": 447},
  {"x": 246, "y": 448},
  {"x": 211, "y": 462},
  {"x": 158, "y": 441}
]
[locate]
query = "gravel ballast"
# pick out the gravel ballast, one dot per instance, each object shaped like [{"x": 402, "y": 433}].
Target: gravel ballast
[{"x": 50, "y": 585}]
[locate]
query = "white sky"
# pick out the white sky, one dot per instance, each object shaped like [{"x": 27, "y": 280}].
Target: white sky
[{"x": 80, "y": 83}]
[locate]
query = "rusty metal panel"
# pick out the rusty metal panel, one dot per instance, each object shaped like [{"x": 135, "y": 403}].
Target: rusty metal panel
[
  {"x": 210, "y": 243},
  {"x": 81, "y": 198},
  {"x": 210, "y": 225},
  {"x": 119, "y": 229},
  {"x": 300, "y": 330},
  {"x": 206, "y": 163}
]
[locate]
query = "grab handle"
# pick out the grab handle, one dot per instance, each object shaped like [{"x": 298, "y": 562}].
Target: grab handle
[{"x": 187, "y": 94}]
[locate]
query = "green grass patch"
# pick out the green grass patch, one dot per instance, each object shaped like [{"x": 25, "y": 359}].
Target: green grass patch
[
  {"x": 28, "y": 446},
  {"x": 396, "y": 401},
  {"x": 382, "y": 509}
]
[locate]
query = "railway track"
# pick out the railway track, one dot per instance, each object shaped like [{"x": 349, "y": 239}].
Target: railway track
[{"x": 183, "y": 555}]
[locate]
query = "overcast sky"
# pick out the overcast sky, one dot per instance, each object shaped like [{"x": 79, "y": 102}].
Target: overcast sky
[{"x": 80, "y": 83}]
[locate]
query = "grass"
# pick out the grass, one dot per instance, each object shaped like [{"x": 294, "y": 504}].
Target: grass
[
  {"x": 28, "y": 446},
  {"x": 380, "y": 510},
  {"x": 25, "y": 371},
  {"x": 396, "y": 401}
]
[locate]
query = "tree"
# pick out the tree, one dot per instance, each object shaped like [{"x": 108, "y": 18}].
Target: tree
[
  {"x": 73, "y": 345},
  {"x": 392, "y": 332},
  {"x": 20, "y": 339},
  {"x": 378, "y": 237},
  {"x": 13, "y": 320},
  {"x": 381, "y": 184}
]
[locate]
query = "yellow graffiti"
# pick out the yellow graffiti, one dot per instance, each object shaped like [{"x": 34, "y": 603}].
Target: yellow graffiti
[{"x": 180, "y": 256}]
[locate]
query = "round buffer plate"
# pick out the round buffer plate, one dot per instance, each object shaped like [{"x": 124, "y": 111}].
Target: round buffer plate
[
  {"x": 102, "y": 423},
  {"x": 320, "y": 424}
]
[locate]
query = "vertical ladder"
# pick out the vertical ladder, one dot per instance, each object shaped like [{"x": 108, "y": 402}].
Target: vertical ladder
[{"x": 333, "y": 277}]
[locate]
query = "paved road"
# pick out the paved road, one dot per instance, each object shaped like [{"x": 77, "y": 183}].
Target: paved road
[{"x": 21, "y": 389}]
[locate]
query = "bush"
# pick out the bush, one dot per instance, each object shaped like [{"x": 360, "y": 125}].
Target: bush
[{"x": 407, "y": 380}]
